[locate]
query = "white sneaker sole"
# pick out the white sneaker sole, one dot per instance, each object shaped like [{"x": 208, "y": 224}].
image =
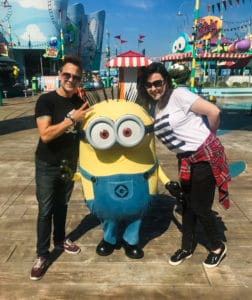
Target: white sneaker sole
[
  {"x": 219, "y": 261},
  {"x": 71, "y": 252},
  {"x": 173, "y": 263}
]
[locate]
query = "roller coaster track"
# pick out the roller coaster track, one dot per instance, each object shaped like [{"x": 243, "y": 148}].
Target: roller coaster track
[{"x": 51, "y": 9}]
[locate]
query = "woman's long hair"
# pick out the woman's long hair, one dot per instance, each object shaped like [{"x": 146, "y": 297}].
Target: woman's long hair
[{"x": 145, "y": 73}]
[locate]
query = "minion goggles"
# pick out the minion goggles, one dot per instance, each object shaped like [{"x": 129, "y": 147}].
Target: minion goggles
[{"x": 128, "y": 131}]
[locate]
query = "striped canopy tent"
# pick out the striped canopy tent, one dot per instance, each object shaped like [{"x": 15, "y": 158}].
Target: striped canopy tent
[
  {"x": 129, "y": 59},
  {"x": 129, "y": 64}
]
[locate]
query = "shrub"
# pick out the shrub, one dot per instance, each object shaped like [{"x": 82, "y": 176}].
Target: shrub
[
  {"x": 236, "y": 84},
  {"x": 221, "y": 84},
  {"x": 207, "y": 84},
  {"x": 244, "y": 84}
]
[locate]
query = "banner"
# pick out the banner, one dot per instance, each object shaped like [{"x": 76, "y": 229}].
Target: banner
[
  {"x": 224, "y": 4},
  {"x": 208, "y": 27},
  {"x": 51, "y": 52},
  {"x": 49, "y": 83}
]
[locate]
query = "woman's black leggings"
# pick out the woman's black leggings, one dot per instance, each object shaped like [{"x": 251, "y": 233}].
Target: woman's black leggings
[{"x": 198, "y": 206}]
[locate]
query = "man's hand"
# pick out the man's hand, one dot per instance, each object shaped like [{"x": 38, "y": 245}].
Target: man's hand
[
  {"x": 78, "y": 114},
  {"x": 66, "y": 172},
  {"x": 176, "y": 191}
]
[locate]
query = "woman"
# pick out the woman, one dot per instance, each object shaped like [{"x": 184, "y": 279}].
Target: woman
[{"x": 180, "y": 125}]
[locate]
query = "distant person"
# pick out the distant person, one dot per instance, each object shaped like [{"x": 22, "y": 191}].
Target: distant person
[
  {"x": 180, "y": 126},
  {"x": 58, "y": 114}
]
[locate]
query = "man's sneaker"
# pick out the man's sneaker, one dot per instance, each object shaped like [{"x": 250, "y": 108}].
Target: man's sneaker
[
  {"x": 214, "y": 259},
  {"x": 39, "y": 268},
  {"x": 179, "y": 256},
  {"x": 69, "y": 247}
]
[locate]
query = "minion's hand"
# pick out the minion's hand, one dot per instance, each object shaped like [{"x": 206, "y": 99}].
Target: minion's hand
[{"x": 176, "y": 191}]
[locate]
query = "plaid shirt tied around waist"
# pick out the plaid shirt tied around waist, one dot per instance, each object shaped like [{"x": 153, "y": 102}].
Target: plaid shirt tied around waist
[{"x": 211, "y": 151}]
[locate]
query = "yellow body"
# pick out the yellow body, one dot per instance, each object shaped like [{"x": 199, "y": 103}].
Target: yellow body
[{"x": 119, "y": 159}]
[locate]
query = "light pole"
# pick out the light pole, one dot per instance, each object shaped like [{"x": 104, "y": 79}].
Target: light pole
[
  {"x": 194, "y": 54},
  {"x": 62, "y": 43},
  {"x": 107, "y": 60}
]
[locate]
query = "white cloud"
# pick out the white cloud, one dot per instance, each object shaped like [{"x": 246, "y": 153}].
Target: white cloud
[
  {"x": 38, "y": 4},
  {"x": 142, "y": 4},
  {"x": 33, "y": 33}
]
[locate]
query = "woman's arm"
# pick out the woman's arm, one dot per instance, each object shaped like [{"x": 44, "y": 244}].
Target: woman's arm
[{"x": 203, "y": 107}]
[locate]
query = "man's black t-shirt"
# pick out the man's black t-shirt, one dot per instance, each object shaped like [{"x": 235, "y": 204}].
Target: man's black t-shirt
[{"x": 65, "y": 146}]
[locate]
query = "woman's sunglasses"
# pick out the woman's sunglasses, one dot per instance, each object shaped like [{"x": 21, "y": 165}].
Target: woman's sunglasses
[
  {"x": 156, "y": 83},
  {"x": 67, "y": 76}
]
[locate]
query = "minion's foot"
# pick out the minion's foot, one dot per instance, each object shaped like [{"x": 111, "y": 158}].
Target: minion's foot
[
  {"x": 104, "y": 248},
  {"x": 133, "y": 251}
]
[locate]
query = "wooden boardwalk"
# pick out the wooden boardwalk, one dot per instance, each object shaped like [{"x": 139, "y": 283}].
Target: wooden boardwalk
[{"x": 89, "y": 276}]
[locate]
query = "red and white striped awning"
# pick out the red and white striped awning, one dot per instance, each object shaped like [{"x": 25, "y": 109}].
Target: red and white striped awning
[
  {"x": 223, "y": 56},
  {"x": 177, "y": 56},
  {"x": 205, "y": 56},
  {"x": 128, "y": 60}
]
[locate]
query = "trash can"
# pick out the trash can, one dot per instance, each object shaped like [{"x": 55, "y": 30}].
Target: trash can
[{"x": 34, "y": 84}]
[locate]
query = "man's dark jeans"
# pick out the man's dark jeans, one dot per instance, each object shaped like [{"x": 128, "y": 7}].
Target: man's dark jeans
[{"x": 53, "y": 194}]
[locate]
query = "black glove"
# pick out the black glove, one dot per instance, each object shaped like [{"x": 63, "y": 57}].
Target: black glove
[
  {"x": 66, "y": 171},
  {"x": 176, "y": 191}
]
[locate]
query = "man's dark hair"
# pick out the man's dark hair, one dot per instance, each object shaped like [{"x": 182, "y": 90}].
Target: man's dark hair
[{"x": 72, "y": 59}]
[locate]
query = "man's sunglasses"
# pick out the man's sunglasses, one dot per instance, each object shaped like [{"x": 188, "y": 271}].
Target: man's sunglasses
[
  {"x": 67, "y": 76},
  {"x": 157, "y": 83}
]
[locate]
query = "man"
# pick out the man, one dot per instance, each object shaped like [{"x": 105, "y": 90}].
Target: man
[{"x": 58, "y": 114}]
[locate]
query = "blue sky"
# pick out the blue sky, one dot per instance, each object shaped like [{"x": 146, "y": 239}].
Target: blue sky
[{"x": 158, "y": 21}]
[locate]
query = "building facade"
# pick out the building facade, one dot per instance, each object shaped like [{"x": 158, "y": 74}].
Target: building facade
[{"x": 39, "y": 33}]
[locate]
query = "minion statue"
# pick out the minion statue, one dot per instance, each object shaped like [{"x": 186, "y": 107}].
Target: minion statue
[{"x": 119, "y": 171}]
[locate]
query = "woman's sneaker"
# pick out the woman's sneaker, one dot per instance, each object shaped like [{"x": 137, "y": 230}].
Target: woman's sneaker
[
  {"x": 39, "y": 268},
  {"x": 214, "y": 259},
  {"x": 179, "y": 256}
]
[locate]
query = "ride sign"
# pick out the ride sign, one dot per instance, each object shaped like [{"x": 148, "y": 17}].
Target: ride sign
[{"x": 208, "y": 27}]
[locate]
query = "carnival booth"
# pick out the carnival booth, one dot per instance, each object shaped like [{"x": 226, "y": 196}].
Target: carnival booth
[
  {"x": 129, "y": 64},
  {"x": 210, "y": 50}
]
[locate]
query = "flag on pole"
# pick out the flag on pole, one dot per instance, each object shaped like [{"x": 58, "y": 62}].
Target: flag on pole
[
  {"x": 118, "y": 37},
  {"x": 123, "y": 41},
  {"x": 230, "y": 3},
  {"x": 208, "y": 8},
  {"x": 224, "y": 4},
  {"x": 140, "y": 36}
]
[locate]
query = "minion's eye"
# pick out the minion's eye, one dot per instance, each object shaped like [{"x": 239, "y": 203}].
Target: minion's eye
[
  {"x": 100, "y": 133},
  {"x": 130, "y": 131}
]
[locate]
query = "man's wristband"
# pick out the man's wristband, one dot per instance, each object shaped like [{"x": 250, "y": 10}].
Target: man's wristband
[{"x": 69, "y": 116}]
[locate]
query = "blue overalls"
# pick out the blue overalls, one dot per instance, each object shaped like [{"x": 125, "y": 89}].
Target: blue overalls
[{"x": 120, "y": 198}]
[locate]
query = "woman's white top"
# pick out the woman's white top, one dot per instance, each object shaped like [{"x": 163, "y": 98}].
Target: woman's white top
[{"x": 176, "y": 126}]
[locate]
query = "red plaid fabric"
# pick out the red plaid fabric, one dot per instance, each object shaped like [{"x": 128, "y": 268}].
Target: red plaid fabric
[{"x": 213, "y": 152}]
